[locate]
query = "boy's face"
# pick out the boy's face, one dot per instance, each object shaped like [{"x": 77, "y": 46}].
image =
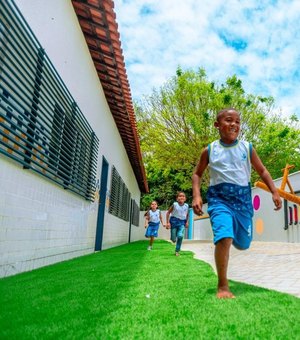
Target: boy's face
[
  {"x": 228, "y": 123},
  {"x": 181, "y": 198}
]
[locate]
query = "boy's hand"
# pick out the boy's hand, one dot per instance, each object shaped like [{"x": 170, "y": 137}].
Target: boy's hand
[
  {"x": 186, "y": 225},
  {"x": 277, "y": 200},
  {"x": 145, "y": 225},
  {"x": 197, "y": 205},
  {"x": 168, "y": 225}
]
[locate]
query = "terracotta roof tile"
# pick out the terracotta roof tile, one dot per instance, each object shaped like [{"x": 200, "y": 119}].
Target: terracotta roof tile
[{"x": 98, "y": 23}]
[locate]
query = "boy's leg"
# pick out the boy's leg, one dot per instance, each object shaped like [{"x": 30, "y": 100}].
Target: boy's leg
[
  {"x": 222, "y": 257},
  {"x": 221, "y": 218},
  {"x": 243, "y": 230},
  {"x": 173, "y": 234},
  {"x": 180, "y": 233}
]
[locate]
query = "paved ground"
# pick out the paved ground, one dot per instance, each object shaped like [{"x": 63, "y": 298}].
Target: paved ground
[{"x": 272, "y": 265}]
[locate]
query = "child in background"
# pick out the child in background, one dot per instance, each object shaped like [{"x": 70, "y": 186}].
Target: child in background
[
  {"x": 152, "y": 220},
  {"x": 229, "y": 194},
  {"x": 178, "y": 221}
]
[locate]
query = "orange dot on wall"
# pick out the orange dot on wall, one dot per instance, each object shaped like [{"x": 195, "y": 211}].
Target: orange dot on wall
[{"x": 259, "y": 226}]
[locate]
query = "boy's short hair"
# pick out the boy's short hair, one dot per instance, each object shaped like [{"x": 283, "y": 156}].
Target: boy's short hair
[
  {"x": 219, "y": 114},
  {"x": 180, "y": 192}
]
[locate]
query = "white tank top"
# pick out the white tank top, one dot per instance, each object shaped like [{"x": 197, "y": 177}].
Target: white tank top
[
  {"x": 230, "y": 163},
  {"x": 180, "y": 211},
  {"x": 154, "y": 216}
]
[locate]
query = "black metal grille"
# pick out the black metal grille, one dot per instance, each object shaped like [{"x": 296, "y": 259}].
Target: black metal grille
[
  {"x": 41, "y": 126},
  {"x": 119, "y": 197},
  {"x": 135, "y": 214}
]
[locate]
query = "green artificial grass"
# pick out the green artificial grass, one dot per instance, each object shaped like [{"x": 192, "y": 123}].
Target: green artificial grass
[{"x": 128, "y": 292}]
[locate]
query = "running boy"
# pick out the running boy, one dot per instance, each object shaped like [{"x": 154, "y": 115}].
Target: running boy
[
  {"x": 153, "y": 219},
  {"x": 178, "y": 221},
  {"x": 229, "y": 194}
]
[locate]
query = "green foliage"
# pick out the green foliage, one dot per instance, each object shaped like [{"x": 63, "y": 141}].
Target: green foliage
[
  {"x": 177, "y": 121},
  {"x": 278, "y": 145}
]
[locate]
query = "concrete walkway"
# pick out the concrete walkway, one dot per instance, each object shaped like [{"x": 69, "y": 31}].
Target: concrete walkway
[{"x": 272, "y": 265}]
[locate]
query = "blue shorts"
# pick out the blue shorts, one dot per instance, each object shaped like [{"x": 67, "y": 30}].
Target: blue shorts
[
  {"x": 229, "y": 223},
  {"x": 152, "y": 230},
  {"x": 176, "y": 222}
]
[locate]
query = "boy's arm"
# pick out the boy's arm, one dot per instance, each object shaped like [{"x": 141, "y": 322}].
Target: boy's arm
[
  {"x": 187, "y": 219},
  {"x": 266, "y": 177},
  {"x": 196, "y": 182},
  {"x": 168, "y": 216}
]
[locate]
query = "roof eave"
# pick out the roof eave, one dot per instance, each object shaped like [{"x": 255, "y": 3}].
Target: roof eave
[{"x": 97, "y": 20}]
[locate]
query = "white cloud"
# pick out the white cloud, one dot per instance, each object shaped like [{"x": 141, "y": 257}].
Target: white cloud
[{"x": 256, "y": 40}]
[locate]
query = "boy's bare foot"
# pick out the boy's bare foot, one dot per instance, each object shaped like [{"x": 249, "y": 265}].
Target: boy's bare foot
[
  {"x": 177, "y": 254},
  {"x": 224, "y": 293}
]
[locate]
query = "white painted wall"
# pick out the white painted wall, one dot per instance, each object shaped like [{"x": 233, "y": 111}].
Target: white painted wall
[
  {"x": 273, "y": 221},
  {"x": 202, "y": 228},
  {"x": 40, "y": 223}
]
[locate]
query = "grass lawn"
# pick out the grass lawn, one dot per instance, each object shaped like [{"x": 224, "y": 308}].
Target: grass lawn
[{"x": 128, "y": 292}]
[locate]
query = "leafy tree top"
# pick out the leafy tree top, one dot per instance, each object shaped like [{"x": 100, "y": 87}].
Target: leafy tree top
[{"x": 176, "y": 122}]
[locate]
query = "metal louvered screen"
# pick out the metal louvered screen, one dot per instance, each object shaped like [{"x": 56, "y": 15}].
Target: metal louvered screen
[
  {"x": 41, "y": 126},
  {"x": 119, "y": 197},
  {"x": 135, "y": 214}
]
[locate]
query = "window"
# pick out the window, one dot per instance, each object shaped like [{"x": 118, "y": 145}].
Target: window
[
  {"x": 135, "y": 214},
  {"x": 41, "y": 126},
  {"x": 119, "y": 197}
]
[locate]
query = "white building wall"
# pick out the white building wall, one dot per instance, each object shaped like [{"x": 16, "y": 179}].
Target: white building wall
[
  {"x": 202, "y": 227},
  {"x": 40, "y": 222},
  {"x": 138, "y": 232},
  {"x": 268, "y": 225}
]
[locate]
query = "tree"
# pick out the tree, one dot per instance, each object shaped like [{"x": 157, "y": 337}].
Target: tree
[{"x": 176, "y": 122}]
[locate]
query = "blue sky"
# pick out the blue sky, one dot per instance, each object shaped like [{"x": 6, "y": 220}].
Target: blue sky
[{"x": 259, "y": 41}]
